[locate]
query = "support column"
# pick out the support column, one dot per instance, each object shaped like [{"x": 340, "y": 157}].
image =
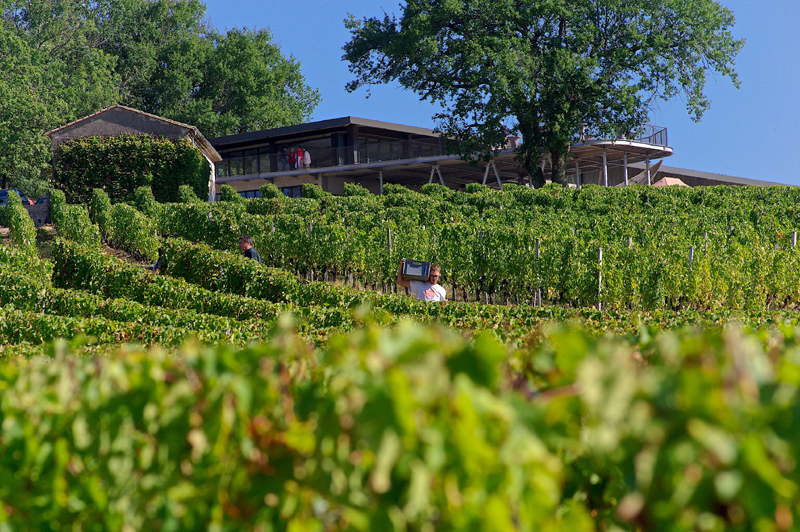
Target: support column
[
  {"x": 577, "y": 174},
  {"x": 352, "y": 139},
  {"x": 433, "y": 170},
  {"x": 380, "y": 176},
  {"x": 212, "y": 180},
  {"x": 648, "y": 172},
  {"x": 605, "y": 169},
  {"x": 625, "y": 161},
  {"x": 486, "y": 173},
  {"x": 497, "y": 175},
  {"x": 441, "y": 179}
]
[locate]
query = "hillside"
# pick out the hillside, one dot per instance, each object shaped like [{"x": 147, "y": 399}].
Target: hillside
[{"x": 646, "y": 391}]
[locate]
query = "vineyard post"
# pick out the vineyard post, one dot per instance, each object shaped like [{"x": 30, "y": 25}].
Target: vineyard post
[
  {"x": 630, "y": 241},
  {"x": 691, "y": 256},
  {"x": 389, "y": 240},
  {"x": 705, "y": 242},
  {"x": 273, "y": 225},
  {"x": 538, "y": 279},
  {"x": 794, "y": 238},
  {"x": 310, "y": 271},
  {"x": 599, "y": 278},
  {"x": 483, "y": 266}
]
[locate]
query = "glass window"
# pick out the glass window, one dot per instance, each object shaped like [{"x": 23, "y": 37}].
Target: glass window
[
  {"x": 237, "y": 168},
  {"x": 222, "y": 169},
  {"x": 264, "y": 163},
  {"x": 250, "y": 164},
  {"x": 293, "y": 192}
]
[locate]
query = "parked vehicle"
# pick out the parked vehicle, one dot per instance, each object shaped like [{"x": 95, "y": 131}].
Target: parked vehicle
[
  {"x": 4, "y": 196},
  {"x": 45, "y": 199}
]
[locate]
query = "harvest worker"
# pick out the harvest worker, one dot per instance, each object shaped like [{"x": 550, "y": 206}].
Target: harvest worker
[
  {"x": 247, "y": 249},
  {"x": 429, "y": 290},
  {"x": 159, "y": 265}
]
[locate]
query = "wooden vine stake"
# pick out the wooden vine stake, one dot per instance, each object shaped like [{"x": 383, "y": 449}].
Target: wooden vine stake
[
  {"x": 538, "y": 280},
  {"x": 599, "y": 278},
  {"x": 794, "y": 238},
  {"x": 389, "y": 240}
]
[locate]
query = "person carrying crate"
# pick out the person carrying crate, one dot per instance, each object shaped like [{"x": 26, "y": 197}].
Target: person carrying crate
[{"x": 429, "y": 290}]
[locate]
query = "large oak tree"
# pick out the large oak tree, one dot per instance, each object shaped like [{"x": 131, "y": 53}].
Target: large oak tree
[{"x": 545, "y": 69}]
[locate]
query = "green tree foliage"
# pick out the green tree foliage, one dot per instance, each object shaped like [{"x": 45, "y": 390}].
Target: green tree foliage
[
  {"x": 61, "y": 60},
  {"x": 120, "y": 165},
  {"x": 544, "y": 70},
  {"x": 50, "y": 73},
  {"x": 173, "y": 64}
]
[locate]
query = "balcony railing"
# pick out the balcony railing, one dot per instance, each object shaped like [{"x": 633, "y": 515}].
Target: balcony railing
[
  {"x": 376, "y": 152},
  {"x": 655, "y": 135},
  {"x": 328, "y": 157}
]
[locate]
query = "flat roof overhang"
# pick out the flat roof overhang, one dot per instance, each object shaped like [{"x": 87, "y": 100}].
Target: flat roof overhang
[
  {"x": 589, "y": 153},
  {"x": 242, "y": 140}
]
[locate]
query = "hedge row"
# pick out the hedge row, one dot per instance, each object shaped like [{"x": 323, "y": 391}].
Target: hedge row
[
  {"x": 21, "y": 261},
  {"x": 517, "y": 324},
  {"x": 122, "y": 164},
  {"x": 409, "y": 430},
  {"x": 72, "y": 221},
  {"x": 80, "y": 268},
  {"x": 36, "y": 328}
]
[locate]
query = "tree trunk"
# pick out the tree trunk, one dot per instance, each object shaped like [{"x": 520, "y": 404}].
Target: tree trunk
[
  {"x": 559, "y": 174},
  {"x": 537, "y": 177}
]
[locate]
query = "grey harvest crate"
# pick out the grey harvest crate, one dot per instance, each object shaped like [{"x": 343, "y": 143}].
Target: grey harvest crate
[{"x": 416, "y": 270}]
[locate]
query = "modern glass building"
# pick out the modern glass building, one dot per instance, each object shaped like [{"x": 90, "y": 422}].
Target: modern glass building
[{"x": 372, "y": 153}]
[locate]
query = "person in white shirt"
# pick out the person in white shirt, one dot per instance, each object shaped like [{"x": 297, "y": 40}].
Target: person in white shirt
[{"x": 427, "y": 291}]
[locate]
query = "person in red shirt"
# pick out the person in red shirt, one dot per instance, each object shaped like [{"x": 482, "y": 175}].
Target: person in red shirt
[
  {"x": 292, "y": 160},
  {"x": 299, "y": 157}
]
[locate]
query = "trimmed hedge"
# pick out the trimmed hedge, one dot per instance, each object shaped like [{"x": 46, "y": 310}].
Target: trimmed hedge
[
  {"x": 72, "y": 221},
  {"x": 21, "y": 228},
  {"x": 20, "y": 261},
  {"x": 146, "y": 203},
  {"x": 78, "y": 267},
  {"x": 133, "y": 231},
  {"x": 122, "y": 164},
  {"x": 18, "y": 326},
  {"x": 100, "y": 209}
]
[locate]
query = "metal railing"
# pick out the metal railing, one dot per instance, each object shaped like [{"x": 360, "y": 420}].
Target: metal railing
[
  {"x": 341, "y": 156},
  {"x": 381, "y": 151},
  {"x": 655, "y": 135}
]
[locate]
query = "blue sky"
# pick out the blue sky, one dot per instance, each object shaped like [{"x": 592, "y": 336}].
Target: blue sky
[{"x": 752, "y": 132}]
